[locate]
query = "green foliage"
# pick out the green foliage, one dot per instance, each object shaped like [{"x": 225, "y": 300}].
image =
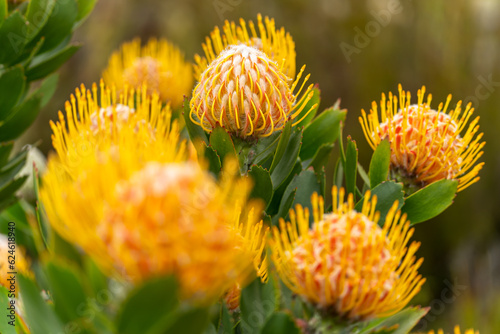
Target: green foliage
[
  {"x": 258, "y": 302},
  {"x": 380, "y": 163}
]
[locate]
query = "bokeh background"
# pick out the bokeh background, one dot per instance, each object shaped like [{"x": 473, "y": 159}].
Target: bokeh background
[{"x": 449, "y": 46}]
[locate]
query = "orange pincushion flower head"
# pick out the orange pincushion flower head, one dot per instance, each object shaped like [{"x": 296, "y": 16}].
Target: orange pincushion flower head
[
  {"x": 427, "y": 145},
  {"x": 247, "y": 93},
  {"x": 159, "y": 65},
  {"x": 276, "y": 43},
  {"x": 346, "y": 265},
  {"x": 456, "y": 330}
]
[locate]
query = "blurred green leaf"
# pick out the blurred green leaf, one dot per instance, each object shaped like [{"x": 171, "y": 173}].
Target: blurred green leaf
[
  {"x": 313, "y": 102},
  {"x": 10, "y": 39},
  {"x": 430, "y": 201},
  {"x": 338, "y": 175},
  {"x": 39, "y": 316},
  {"x": 5, "y": 150},
  {"x": 5, "y": 327},
  {"x": 282, "y": 145},
  {"x": 3, "y": 10},
  {"x": 280, "y": 323},
  {"x": 210, "y": 329},
  {"x": 195, "y": 132},
  {"x": 66, "y": 288},
  {"x": 351, "y": 165},
  {"x": 59, "y": 24},
  {"x": 258, "y": 302},
  {"x": 45, "y": 64},
  {"x": 287, "y": 162},
  {"x": 262, "y": 184},
  {"x": 193, "y": 321},
  {"x": 324, "y": 129},
  {"x": 12, "y": 83},
  {"x": 85, "y": 7},
  {"x": 222, "y": 143},
  {"x": 8, "y": 189},
  {"x": 380, "y": 163},
  {"x": 402, "y": 322},
  {"x": 23, "y": 116},
  {"x": 226, "y": 325},
  {"x": 18, "y": 160},
  {"x": 98, "y": 281},
  {"x": 37, "y": 14},
  {"x": 17, "y": 213},
  {"x": 387, "y": 193},
  {"x": 147, "y": 305}
]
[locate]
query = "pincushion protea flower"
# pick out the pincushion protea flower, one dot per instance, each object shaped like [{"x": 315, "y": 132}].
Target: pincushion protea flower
[
  {"x": 247, "y": 93},
  {"x": 139, "y": 204},
  {"x": 345, "y": 264},
  {"x": 159, "y": 65},
  {"x": 455, "y": 331},
  {"x": 427, "y": 145},
  {"x": 276, "y": 43}
]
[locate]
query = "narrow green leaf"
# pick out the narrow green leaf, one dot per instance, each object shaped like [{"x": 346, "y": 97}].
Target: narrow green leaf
[
  {"x": 222, "y": 143},
  {"x": 321, "y": 157},
  {"x": 280, "y": 323},
  {"x": 9, "y": 189},
  {"x": 287, "y": 162},
  {"x": 274, "y": 205},
  {"x": 380, "y": 163},
  {"x": 338, "y": 176},
  {"x": 312, "y": 105},
  {"x": 18, "y": 159},
  {"x": 85, "y": 7},
  {"x": 12, "y": 83},
  {"x": 387, "y": 193},
  {"x": 214, "y": 162},
  {"x": 262, "y": 184},
  {"x": 324, "y": 129},
  {"x": 402, "y": 322},
  {"x": 225, "y": 325},
  {"x": 39, "y": 316},
  {"x": 12, "y": 38},
  {"x": 6, "y": 314},
  {"x": 21, "y": 119},
  {"x": 364, "y": 176},
  {"x": 282, "y": 145},
  {"x": 351, "y": 165},
  {"x": 5, "y": 150},
  {"x": 257, "y": 304},
  {"x": 430, "y": 201},
  {"x": 265, "y": 148},
  {"x": 305, "y": 184},
  {"x": 38, "y": 14},
  {"x": 41, "y": 66},
  {"x": 192, "y": 321},
  {"x": 147, "y": 305},
  {"x": 66, "y": 288}
]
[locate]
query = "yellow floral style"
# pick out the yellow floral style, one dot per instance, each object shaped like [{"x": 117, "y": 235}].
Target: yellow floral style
[
  {"x": 455, "y": 331},
  {"x": 276, "y": 43},
  {"x": 345, "y": 264},
  {"x": 159, "y": 65},
  {"x": 427, "y": 145},
  {"x": 139, "y": 202},
  {"x": 247, "y": 93}
]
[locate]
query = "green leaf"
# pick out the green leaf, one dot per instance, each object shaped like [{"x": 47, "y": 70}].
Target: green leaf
[
  {"x": 222, "y": 143},
  {"x": 312, "y": 104},
  {"x": 85, "y": 7},
  {"x": 351, "y": 165},
  {"x": 364, "y": 176},
  {"x": 287, "y": 162},
  {"x": 280, "y": 323},
  {"x": 98, "y": 281},
  {"x": 59, "y": 24},
  {"x": 264, "y": 149},
  {"x": 147, "y": 305},
  {"x": 263, "y": 186},
  {"x": 214, "y": 162},
  {"x": 305, "y": 184},
  {"x": 3, "y": 10},
  {"x": 196, "y": 132},
  {"x": 12, "y": 83},
  {"x": 282, "y": 145},
  {"x": 191, "y": 321},
  {"x": 10, "y": 188},
  {"x": 18, "y": 159},
  {"x": 38, "y": 14},
  {"x": 66, "y": 288},
  {"x": 387, "y": 193},
  {"x": 12, "y": 38},
  {"x": 5, "y": 150},
  {"x": 338, "y": 175},
  {"x": 285, "y": 205},
  {"x": 430, "y": 201},
  {"x": 225, "y": 325},
  {"x": 380, "y": 163},
  {"x": 320, "y": 158},
  {"x": 402, "y": 322},
  {"x": 324, "y": 129},
  {"x": 257, "y": 304},
  {"x": 39, "y": 316},
  {"x": 21, "y": 119},
  {"x": 5, "y": 327},
  {"x": 274, "y": 205},
  {"x": 44, "y": 64}
]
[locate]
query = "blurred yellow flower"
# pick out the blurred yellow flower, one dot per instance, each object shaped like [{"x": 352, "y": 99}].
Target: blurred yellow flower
[
  {"x": 276, "y": 43},
  {"x": 20, "y": 264},
  {"x": 455, "y": 331},
  {"x": 345, "y": 264},
  {"x": 426, "y": 144},
  {"x": 139, "y": 203},
  {"x": 159, "y": 65},
  {"x": 246, "y": 92}
]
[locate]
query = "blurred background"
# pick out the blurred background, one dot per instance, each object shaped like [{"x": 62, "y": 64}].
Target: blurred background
[{"x": 355, "y": 50}]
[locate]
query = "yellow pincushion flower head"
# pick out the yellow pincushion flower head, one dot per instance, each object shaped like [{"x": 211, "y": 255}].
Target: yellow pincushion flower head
[
  {"x": 137, "y": 202},
  {"x": 247, "y": 93},
  {"x": 346, "y": 265},
  {"x": 456, "y": 330},
  {"x": 427, "y": 145},
  {"x": 276, "y": 43},
  {"x": 159, "y": 65}
]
